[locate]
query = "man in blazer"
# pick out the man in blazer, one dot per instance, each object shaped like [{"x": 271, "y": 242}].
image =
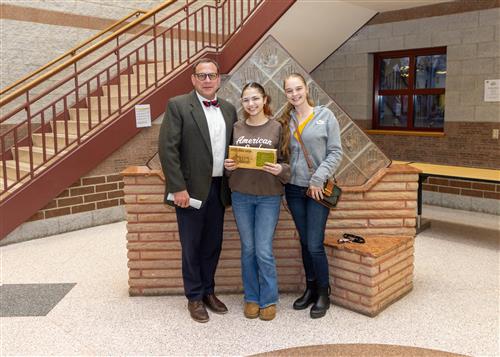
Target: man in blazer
[{"x": 193, "y": 142}]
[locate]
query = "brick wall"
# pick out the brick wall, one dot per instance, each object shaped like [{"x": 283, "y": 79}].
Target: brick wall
[
  {"x": 384, "y": 205},
  {"x": 462, "y": 187},
  {"x": 86, "y": 194},
  {"x": 154, "y": 250},
  {"x": 446, "y": 150}
]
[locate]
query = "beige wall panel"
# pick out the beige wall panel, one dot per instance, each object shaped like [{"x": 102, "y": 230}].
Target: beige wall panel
[{"x": 113, "y": 9}]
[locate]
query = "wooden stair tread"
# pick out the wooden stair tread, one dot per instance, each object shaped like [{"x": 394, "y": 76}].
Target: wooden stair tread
[
  {"x": 51, "y": 135},
  {"x": 37, "y": 149},
  {"x": 24, "y": 166}
]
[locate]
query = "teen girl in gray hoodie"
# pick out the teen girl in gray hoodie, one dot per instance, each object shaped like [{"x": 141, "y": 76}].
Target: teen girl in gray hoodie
[{"x": 320, "y": 134}]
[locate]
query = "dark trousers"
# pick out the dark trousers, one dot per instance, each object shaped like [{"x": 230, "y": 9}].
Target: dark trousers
[
  {"x": 200, "y": 232},
  {"x": 310, "y": 220}
]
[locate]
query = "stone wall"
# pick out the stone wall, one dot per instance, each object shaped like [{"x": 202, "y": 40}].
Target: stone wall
[{"x": 384, "y": 205}]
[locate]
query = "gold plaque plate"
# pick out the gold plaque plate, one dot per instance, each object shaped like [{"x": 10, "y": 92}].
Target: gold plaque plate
[{"x": 251, "y": 158}]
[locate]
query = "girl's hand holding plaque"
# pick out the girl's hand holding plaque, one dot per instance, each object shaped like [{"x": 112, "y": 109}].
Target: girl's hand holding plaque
[{"x": 274, "y": 169}]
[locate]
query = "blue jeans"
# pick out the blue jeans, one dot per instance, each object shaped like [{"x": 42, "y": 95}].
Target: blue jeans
[
  {"x": 310, "y": 220},
  {"x": 256, "y": 218}
]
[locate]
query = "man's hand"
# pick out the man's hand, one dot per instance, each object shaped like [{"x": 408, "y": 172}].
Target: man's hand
[{"x": 181, "y": 199}]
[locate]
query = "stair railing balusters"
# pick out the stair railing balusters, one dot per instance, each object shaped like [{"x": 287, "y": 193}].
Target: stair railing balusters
[
  {"x": 44, "y": 138},
  {"x": 30, "y": 131},
  {"x": 146, "y": 66},
  {"x": 54, "y": 134},
  {"x": 172, "y": 65},
  {"x": 155, "y": 46},
  {"x": 109, "y": 94},
  {"x": 137, "y": 81},
  {"x": 241, "y": 12},
  {"x": 223, "y": 14},
  {"x": 203, "y": 27},
  {"x": 4, "y": 165},
  {"x": 187, "y": 34},
  {"x": 119, "y": 73},
  {"x": 89, "y": 108},
  {"x": 227, "y": 22},
  {"x": 99, "y": 98},
  {"x": 65, "y": 107},
  {"x": 129, "y": 91},
  {"x": 16, "y": 155},
  {"x": 179, "y": 36},
  {"x": 54, "y": 123},
  {"x": 164, "y": 44},
  {"x": 235, "y": 16},
  {"x": 77, "y": 105},
  {"x": 196, "y": 31},
  {"x": 210, "y": 28}
]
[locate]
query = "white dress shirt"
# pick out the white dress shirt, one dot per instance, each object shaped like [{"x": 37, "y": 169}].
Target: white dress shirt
[{"x": 217, "y": 130}]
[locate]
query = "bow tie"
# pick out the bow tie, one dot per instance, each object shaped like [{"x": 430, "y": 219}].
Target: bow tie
[{"x": 208, "y": 103}]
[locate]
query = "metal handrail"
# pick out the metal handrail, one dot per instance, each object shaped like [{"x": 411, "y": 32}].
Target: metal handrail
[
  {"x": 72, "y": 51},
  {"x": 7, "y": 99}
]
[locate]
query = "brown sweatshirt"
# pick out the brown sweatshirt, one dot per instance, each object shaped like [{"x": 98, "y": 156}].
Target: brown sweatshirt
[{"x": 258, "y": 182}]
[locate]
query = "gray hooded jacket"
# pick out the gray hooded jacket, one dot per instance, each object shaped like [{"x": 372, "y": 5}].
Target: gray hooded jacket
[{"x": 321, "y": 137}]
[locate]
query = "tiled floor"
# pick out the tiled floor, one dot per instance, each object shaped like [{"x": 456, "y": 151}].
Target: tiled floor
[{"x": 454, "y": 305}]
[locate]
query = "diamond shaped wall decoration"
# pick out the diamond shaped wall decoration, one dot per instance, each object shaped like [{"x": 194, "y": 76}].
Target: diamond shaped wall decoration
[{"x": 269, "y": 64}]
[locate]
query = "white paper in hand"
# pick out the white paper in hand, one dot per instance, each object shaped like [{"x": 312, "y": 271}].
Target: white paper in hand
[{"x": 192, "y": 201}]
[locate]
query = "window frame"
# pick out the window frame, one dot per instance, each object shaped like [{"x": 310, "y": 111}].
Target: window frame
[{"x": 410, "y": 92}]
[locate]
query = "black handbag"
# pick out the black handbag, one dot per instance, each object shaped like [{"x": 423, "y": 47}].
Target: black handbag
[
  {"x": 331, "y": 191},
  {"x": 331, "y": 194}
]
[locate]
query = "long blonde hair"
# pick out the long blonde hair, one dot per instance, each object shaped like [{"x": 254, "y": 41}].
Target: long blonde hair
[{"x": 285, "y": 117}]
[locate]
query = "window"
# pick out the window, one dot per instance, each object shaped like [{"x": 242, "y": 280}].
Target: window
[{"x": 408, "y": 89}]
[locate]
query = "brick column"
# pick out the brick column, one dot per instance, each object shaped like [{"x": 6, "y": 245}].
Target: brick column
[{"x": 368, "y": 277}]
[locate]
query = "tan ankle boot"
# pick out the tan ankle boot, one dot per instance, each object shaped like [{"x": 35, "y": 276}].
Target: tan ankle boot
[
  {"x": 268, "y": 313},
  {"x": 251, "y": 310}
]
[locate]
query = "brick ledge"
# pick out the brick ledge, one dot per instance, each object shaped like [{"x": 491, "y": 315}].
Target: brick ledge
[
  {"x": 375, "y": 246},
  {"x": 393, "y": 169}
]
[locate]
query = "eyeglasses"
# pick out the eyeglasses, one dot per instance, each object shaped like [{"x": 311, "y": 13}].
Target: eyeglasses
[
  {"x": 203, "y": 76},
  {"x": 351, "y": 238}
]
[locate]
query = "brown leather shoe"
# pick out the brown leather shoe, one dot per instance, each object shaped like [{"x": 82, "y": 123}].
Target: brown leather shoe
[
  {"x": 197, "y": 311},
  {"x": 268, "y": 313},
  {"x": 251, "y": 310},
  {"x": 214, "y": 304}
]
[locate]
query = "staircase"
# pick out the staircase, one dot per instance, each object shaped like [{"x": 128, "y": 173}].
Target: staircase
[{"x": 58, "y": 132}]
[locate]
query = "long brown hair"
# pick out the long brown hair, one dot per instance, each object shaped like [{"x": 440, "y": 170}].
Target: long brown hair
[
  {"x": 284, "y": 119},
  {"x": 267, "y": 109}
]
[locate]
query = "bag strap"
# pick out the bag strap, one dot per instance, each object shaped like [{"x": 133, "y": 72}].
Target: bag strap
[{"x": 306, "y": 153}]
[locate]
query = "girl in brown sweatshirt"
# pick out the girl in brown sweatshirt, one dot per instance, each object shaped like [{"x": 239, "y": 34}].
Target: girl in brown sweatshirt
[{"x": 256, "y": 196}]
